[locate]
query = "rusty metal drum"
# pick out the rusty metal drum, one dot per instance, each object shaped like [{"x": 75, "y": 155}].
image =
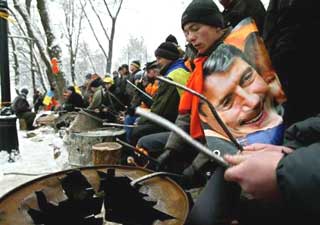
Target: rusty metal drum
[{"x": 49, "y": 197}]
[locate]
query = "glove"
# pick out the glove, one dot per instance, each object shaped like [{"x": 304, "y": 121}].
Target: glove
[{"x": 188, "y": 177}]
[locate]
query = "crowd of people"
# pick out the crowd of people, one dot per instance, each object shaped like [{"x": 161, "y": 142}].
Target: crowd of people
[{"x": 274, "y": 176}]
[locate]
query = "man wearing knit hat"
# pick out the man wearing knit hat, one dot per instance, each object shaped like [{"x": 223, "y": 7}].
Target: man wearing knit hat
[
  {"x": 166, "y": 102},
  {"x": 135, "y": 70},
  {"x": 204, "y": 28}
]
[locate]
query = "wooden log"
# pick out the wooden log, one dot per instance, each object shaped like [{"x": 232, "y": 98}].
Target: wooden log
[{"x": 106, "y": 153}]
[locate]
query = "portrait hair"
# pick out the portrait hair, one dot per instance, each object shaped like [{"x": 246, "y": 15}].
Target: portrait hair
[{"x": 222, "y": 58}]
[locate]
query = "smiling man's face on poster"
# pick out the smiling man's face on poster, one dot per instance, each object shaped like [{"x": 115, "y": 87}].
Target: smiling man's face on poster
[
  {"x": 240, "y": 95},
  {"x": 241, "y": 84}
]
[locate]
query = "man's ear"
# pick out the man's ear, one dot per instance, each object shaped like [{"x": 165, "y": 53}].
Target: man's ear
[
  {"x": 202, "y": 112},
  {"x": 203, "y": 118}
]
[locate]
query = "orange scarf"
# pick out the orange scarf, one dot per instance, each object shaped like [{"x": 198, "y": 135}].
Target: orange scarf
[{"x": 189, "y": 103}]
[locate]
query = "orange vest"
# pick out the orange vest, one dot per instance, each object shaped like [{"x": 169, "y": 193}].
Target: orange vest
[{"x": 151, "y": 89}]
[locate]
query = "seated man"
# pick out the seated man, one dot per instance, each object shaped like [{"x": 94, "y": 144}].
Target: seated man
[
  {"x": 167, "y": 99},
  {"x": 22, "y": 109},
  {"x": 149, "y": 85},
  {"x": 104, "y": 101},
  {"x": 73, "y": 100}
]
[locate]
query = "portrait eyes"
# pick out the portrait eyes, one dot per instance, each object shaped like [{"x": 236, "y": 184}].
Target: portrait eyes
[
  {"x": 246, "y": 78},
  {"x": 226, "y": 103}
]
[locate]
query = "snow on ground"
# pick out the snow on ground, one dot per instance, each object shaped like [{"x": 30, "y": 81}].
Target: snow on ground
[{"x": 41, "y": 154}]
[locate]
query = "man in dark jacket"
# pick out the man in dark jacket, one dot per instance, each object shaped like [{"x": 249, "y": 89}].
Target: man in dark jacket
[
  {"x": 288, "y": 175},
  {"x": 21, "y": 108},
  {"x": 73, "y": 100},
  {"x": 289, "y": 25},
  {"x": 122, "y": 86},
  {"x": 167, "y": 99}
]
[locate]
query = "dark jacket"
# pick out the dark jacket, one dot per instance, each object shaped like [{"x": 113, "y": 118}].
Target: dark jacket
[
  {"x": 20, "y": 105},
  {"x": 289, "y": 26},
  {"x": 298, "y": 174},
  {"x": 241, "y": 9},
  {"x": 74, "y": 100}
]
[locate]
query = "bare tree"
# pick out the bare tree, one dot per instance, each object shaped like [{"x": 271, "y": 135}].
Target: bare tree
[
  {"x": 15, "y": 60},
  {"x": 53, "y": 48},
  {"x": 134, "y": 50},
  {"x": 73, "y": 22},
  {"x": 117, "y": 4}
]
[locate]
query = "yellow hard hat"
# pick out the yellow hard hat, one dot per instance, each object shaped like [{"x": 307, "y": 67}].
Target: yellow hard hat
[{"x": 108, "y": 80}]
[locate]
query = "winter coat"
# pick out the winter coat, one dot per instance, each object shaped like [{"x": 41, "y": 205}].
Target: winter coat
[
  {"x": 298, "y": 173},
  {"x": 167, "y": 99},
  {"x": 20, "y": 105},
  {"x": 289, "y": 26},
  {"x": 74, "y": 100}
]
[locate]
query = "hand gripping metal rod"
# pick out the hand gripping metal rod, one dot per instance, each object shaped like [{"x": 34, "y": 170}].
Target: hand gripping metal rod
[
  {"x": 212, "y": 109},
  {"x": 171, "y": 126}
]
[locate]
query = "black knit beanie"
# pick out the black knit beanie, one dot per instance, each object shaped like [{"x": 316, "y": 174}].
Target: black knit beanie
[
  {"x": 167, "y": 50},
  {"x": 151, "y": 65},
  {"x": 136, "y": 63},
  {"x": 172, "y": 39},
  {"x": 203, "y": 11}
]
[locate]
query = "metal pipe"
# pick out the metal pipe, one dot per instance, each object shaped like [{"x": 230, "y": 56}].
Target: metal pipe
[
  {"x": 115, "y": 98},
  {"x": 118, "y": 125},
  {"x": 211, "y": 107},
  {"x": 171, "y": 126},
  {"x": 149, "y": 176},
  {"x": 139, "y": 90}
]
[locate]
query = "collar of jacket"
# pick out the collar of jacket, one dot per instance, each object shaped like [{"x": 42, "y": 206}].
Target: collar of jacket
[
  {"x": 179, "y": 63},
  {"x": 138, "y": 70}
]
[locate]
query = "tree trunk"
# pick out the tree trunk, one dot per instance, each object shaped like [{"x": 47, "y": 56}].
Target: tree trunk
[
  {"x": 38, "y": 43},
  {"x": 16, "y": 62},
  {"x": 53, "y": 49},
  {"x": 109, "y": 59}
]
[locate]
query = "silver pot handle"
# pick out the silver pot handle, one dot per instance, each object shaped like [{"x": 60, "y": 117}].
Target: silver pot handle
[{"x": 149, "y": 176}]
